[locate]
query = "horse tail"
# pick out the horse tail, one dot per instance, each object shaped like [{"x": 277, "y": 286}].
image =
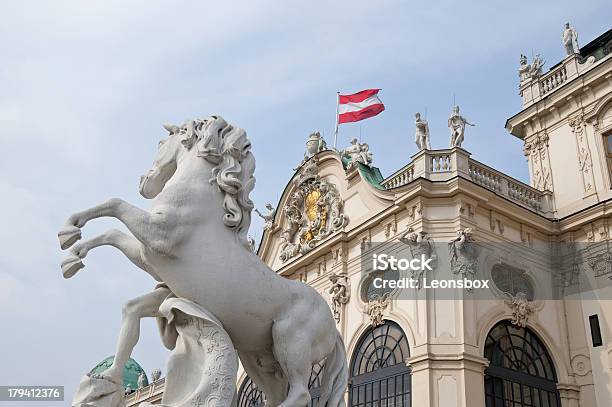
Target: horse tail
[{"x": 335, "y": 377}]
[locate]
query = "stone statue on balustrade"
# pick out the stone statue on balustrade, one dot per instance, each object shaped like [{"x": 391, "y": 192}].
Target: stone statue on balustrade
[
  {"x": 456, "y": 124},
  {"x": 215, "y": 300},
  {"x": 155, "y": 375},
  {"x": 421, "y": 136},
  {"x": 142, "y": 380},
  {"x": 357, "y": 152},
  {"x": 570, "y": 40},
  {"x": 530, "y": 71}
]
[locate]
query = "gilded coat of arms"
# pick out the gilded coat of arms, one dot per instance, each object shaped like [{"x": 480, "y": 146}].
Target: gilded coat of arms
[{"x": 313, "y": 212}]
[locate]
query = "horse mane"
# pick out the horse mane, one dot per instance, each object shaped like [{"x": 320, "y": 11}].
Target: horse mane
[{"x": 229, "y": 149}]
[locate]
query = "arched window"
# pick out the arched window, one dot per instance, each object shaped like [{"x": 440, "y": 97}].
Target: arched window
[
  {"x": 379, "y": 375},
  {"x": 521, "y": 372},
  {"x": 249, "y": 394}
]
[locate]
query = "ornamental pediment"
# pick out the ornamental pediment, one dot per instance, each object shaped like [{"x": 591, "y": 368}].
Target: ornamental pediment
[{"x": 313, "y": 211}]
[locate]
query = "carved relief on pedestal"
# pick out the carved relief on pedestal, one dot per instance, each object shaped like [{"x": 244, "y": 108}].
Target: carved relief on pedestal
[
  {"x": 536, "y": 152},
  {"x": 313, "y": 212},
  {"x": 375, "y": 309},
  {"x": 585, "y": 162}
]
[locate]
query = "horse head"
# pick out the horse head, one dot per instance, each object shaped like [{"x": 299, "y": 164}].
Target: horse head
[{"x": 227, "y": 151}]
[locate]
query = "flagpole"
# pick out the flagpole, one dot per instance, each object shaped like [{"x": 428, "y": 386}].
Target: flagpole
[{"x": 337, "y": 113}]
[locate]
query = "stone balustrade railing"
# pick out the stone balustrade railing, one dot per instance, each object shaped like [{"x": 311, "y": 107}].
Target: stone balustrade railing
[
  {"x": 537, "y": 87},
  {"x": 508, "y": 187},
  {"x": 440, "y": 162},
  {"x": 149, "y": 393},
  {"x": 553, "y": 79},
  {"x": 401, "y": 177},
  {"x": 440, "y": 165}
]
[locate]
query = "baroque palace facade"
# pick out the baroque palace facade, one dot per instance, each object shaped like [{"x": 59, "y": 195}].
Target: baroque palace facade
[{"x": 518, "y": 347}]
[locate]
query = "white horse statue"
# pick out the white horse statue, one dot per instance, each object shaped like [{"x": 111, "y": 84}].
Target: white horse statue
[{"x": 193, "y": 241}]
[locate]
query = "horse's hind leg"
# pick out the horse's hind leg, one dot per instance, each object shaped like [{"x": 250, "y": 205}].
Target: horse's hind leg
[
  {"x": 133, "y": 311},
  {"x": 293, "y": 353},
  {"x": 271, "y": 381}
]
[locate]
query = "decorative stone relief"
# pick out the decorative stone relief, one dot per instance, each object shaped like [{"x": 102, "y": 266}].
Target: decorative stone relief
[
  {"x": 267, "y": 217},
  {"x": 357, "y": 152},
  {"x": 390, "y": 228},
  {"x": 376, "y": 307},
  {"x": 313, "y": 212},
  {"x": 581, "y": 365},
  {"x": 322, "y": 268},
  {"x": 467, "y": 209},
  {"x": 415, "y": 211},
  {"x": 526, "y": 236},
  {"x": 521, "y": 308},
  {"x": 495, "y": 223},
  {"x": 600, "y": 264},
  {"x": 366, "y": 242},
  {"x": 463, "y": 254},
  {"x": 340, "y": 293},
  {"x": 340, "y": 255},
  {"x": 585, "y": 163},
  {"x": 420, "y": 244},
  {"x": 536, "y": 152}
]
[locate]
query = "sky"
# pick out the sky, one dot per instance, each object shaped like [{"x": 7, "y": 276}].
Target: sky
[{"x": 86, "y": 86}]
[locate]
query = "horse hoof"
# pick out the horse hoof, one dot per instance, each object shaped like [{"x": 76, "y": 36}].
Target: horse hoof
[
  {"x": 68, "y": 235},
  {"x": 71, "y": 265}
]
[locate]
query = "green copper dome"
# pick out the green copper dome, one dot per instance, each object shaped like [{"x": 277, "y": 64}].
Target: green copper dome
[{"x": 131, "y": 371}]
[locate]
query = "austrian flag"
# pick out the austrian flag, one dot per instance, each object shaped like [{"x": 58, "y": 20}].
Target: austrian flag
[{"x": 359, "y": 106}]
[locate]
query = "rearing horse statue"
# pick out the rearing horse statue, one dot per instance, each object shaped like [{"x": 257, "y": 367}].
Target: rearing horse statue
[{"x": 193, "y": 241}]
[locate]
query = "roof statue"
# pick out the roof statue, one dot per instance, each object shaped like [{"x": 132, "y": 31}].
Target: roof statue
[
  {"x": 193, "y": 242},
  {"x": 267, "y": 217},
  {"x": 357, "y": 153},
  {"x": 570, "y": 40},
  {"x": 456, "y": 124},
  {"x": 314, "y": 145},
  {"x": 530, "y": 71},
  {"x": 421, "y": 136},
  {"x": 156, "y": 375}
]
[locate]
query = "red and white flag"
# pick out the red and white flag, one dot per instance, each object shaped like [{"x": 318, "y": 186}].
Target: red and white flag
[{"x": 359, "y": 106}]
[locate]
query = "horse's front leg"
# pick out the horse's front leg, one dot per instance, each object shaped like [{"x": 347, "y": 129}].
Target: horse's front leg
[
  {"x": 151, "y": 229},
  {"x": 127, "y": 244},
  {"x": 133, "y": 311}
]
